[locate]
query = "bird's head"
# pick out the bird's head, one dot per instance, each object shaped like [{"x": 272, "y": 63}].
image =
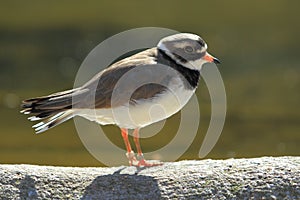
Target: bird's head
[{"x": 187, "y": 49}]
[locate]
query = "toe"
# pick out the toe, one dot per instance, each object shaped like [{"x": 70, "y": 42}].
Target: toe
[{"x": 149, "y": 163}]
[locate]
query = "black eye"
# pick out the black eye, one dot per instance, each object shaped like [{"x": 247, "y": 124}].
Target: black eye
[{"x": 189, "y": 49}]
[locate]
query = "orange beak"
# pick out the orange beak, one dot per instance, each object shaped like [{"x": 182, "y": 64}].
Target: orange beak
[{"x": 211, "y": 59}]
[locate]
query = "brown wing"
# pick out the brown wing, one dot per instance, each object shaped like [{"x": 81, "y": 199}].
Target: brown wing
[{"x": 122, "y": 80}]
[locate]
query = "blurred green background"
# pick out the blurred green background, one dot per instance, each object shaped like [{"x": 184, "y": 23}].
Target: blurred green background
[{"x": 42, "y": 44}]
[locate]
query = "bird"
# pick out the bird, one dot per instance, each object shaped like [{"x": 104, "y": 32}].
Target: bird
[{"x": 171, "y": 68}]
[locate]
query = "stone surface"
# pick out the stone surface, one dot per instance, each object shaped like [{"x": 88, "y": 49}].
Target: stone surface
[{"x": 256, "y": 178}]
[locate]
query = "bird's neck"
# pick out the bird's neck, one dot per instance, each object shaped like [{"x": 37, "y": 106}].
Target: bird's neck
[{"x": 191, "y": 77}]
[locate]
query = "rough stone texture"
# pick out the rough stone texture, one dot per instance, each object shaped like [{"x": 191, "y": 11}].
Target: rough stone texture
[{"x": 256, "y": 178}]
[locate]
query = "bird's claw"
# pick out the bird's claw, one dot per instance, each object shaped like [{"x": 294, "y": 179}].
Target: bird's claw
[
  {"x": 149, "y": 163},
  {"x": 139, "y": 160}
]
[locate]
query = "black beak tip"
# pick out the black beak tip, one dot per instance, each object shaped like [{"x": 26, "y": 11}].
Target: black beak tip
[{"x": 217, "y": 61}]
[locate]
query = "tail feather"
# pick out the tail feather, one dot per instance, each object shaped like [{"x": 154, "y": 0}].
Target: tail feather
[
  {"x": 52, "y": 110},
  {"x": 49, "y": 101},
  {"x": 53, "y": 121}
]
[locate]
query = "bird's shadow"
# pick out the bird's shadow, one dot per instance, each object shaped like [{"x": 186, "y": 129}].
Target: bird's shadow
[
  {"x": 123, "y": 186},
  {"x": 27, "y": 189}
]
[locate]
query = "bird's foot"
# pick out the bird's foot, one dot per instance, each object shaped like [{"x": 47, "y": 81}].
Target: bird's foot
[
  {"x": 139, "y": 161},
  {"x": 147, "y": 163},
  {"x": 131, "y": 158}
]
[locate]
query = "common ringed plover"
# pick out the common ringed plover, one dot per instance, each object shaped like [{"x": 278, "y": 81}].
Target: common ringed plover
[{"x": 168, "y": 75}]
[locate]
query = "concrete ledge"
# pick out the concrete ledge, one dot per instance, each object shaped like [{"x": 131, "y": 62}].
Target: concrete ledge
[{"x": 256, "y": 178}]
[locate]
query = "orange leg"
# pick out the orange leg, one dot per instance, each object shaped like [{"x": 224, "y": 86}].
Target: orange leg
[
  {"x": 140, "y": 157},
  {"x": 136, "y": 138},
  {"x": 130, "y": 154}
]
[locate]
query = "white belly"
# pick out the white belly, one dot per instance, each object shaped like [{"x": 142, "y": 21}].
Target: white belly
[{"x": 143, "y": 112}]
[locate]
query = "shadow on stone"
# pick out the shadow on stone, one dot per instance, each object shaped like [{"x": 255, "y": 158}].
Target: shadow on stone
[
  {"x": 27, "y": 189},
  {"x": 122, "y": 186}
]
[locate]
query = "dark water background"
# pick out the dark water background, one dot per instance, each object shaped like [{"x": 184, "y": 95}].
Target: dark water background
[{"x": 42, "y": 44}]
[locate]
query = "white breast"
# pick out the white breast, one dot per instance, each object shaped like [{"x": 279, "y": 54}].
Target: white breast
[{"x": 144, "y": 112}]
